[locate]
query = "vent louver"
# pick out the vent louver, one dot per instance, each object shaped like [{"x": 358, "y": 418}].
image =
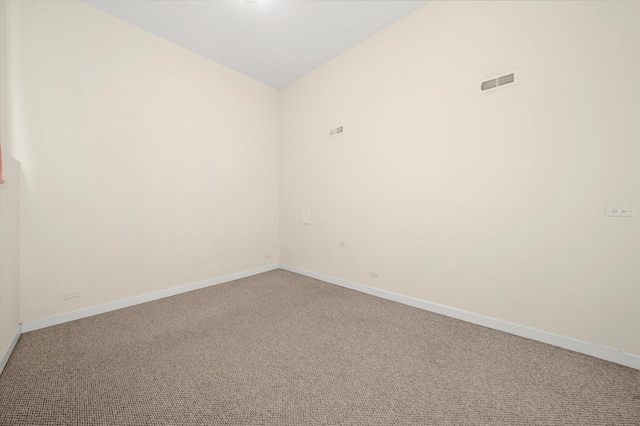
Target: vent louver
[
  {"x": 496, "y": 82},
  {"x": 336, "y": 131},
  {"x": 489, "y": 84}
]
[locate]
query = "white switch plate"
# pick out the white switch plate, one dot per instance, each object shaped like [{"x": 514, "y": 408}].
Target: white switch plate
[
  {"x": 619, "y": 211},
  {"x": 306, "y": 216},
  {"x": 373, "y": 274},
  {"x": 71, "y": 294}
]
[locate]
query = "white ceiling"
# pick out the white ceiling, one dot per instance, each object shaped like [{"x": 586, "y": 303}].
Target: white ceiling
[{"x": 273, "y": 41}]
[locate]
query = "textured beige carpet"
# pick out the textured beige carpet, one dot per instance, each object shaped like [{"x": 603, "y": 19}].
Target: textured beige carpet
[{"x": 282, "y": 349}]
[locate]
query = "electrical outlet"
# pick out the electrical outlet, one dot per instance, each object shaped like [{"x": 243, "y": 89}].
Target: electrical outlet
[
  {"x": 71, "y": 294},
  {"x": 373, "y": 274},
  {"x": 619, "y": 211}
]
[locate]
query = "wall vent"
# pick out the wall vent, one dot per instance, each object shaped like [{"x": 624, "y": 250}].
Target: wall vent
[
  {"x": 496, "y": 82},
  {"x": 337, "y": 131}
]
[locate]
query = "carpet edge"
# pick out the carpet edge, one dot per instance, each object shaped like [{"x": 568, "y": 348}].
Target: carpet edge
[
  {"x": 564, "y": 342},
  {"x": 12, "y": 344},
  {"x": 137, "y": 300}
]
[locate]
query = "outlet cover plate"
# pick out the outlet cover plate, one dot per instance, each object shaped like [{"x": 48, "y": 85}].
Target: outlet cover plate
[
  {"x": 306, "y": 216},
  {"x": 71, "y": 294},
  {"x": 626, "y": 211}
]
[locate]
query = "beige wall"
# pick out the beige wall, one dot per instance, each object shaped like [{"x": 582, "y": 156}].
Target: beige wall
[
  {"x": 9, "y": 252},
  {"x": 9, "y": 211},
  {"x": 145, "y": 166},
  {"x": 491, "y": 203}
]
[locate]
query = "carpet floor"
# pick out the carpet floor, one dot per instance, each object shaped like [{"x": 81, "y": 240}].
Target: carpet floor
[{"x": 282, "y": 349}]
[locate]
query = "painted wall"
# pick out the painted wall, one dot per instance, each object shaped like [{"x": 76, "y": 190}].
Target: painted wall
[
  {"x": 145, "y": 166},
  {"x": 9, "y": 252},
  {"x": 9, "y": 212},
  {"x": 487, "y": 202}
]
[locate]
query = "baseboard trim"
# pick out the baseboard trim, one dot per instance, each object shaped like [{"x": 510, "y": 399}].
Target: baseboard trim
[
  {"x": 120, "y": 304},
  {"x": 597, "y": 351},
  {"x": 9, "y": 350}
]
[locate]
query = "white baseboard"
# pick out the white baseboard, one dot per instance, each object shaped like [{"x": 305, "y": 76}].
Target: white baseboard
[
  {"x": 108, "y": 307},
  {"x": 602, "y": 352},
  {"x": 12, "y": 344}
]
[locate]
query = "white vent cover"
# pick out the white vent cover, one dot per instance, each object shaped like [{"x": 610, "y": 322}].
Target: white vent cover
[
  {"x": 337, "y": 131},
  {"x": 497, "y": 82}
]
